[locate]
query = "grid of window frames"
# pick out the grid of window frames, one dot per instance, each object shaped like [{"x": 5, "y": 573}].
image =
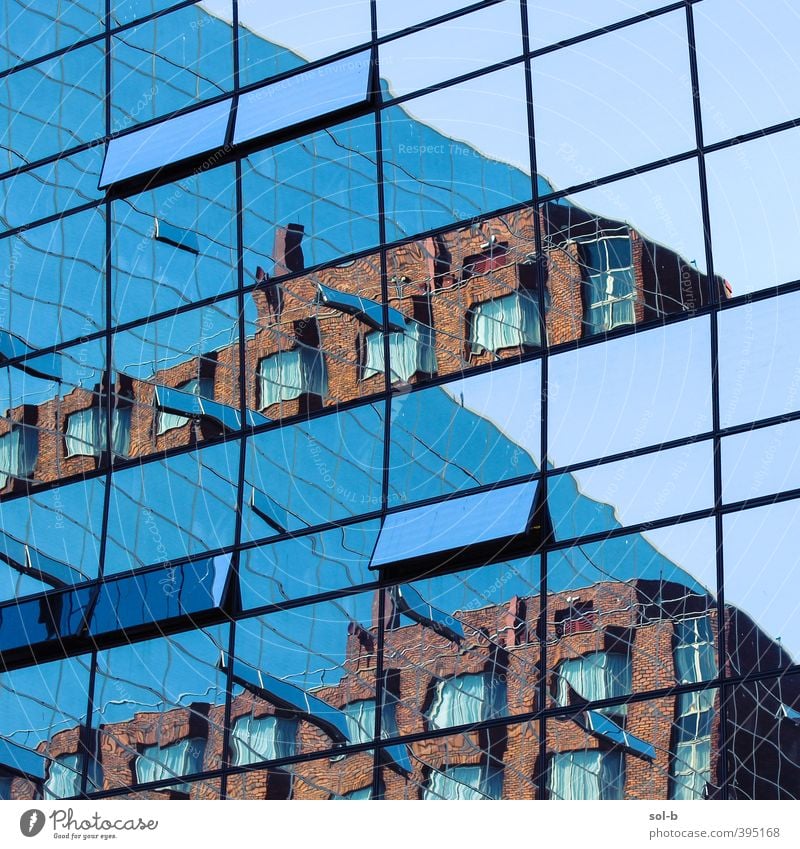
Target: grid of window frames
[{"x": 398, "y": 400}]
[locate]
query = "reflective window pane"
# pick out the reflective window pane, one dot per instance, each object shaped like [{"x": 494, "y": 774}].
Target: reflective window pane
[
  {"x": 43, "y": 710},
  {"x": 177, "y": 379},
  {"x": 302, "y": 97},
  {"x": 274, "y": 38},
  {"x": 54, "y": 286},
  {"x": 626, "y": 253},
  {"x": 739, "y": 92},
  {"x": 551, "y": 21},
  {"x": 630, "y": 614},
  {"x": 444, "y": 162},
  {"x": 31, "y": 29},
  {"x": 307, "y": 565},
  {"x": 314, "y": 472},
  {"x": 393, "y": 16},
  {"x": 305, "y": 337},
  {"x": 760, "y": 553},
  {"x": 52, "y": 106},
  {"x": 759, "y": 359},
  {"x": 159, "y": 708},
  {"x": 301, "y": 666},
  {"x": 761, "y": 462},
  {"x": 50, "y": 189},
  {"x": 640, "y": 390},
  {"x": 614, "y": 102},
  {"x": 451, "y": 49},
  {"x": 752, "y": 195},
  {"x": 165, "y": 143},
  {"x": 169, "y": 63},
  {"x": 51, "y": 538},
  {"x": 310, "y": 200},
  {"x": 641, "y": 489},
  {"x": 168, "y": 509},
  {"x": 460, "y": 435}
]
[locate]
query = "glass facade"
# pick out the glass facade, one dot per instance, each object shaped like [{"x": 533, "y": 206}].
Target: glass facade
[{"x": 394, "y": 403}]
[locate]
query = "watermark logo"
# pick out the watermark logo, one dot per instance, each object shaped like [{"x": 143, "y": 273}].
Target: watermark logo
[{"x": 31, "y": 822}]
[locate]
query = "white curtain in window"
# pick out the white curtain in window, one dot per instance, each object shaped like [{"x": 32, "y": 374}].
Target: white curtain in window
[
  {"x": 464, "y": 782},
  {"x": 465, "y": 699},
  {"x": 587, "y": 775},
  {"x": 63, "y": 777},
  {"x": 360, "y": 717},
  {"x": 83, "y": 437},
  {"x": 9, "y": 456},
  {"x": 357, "y": 795},
  {"x": 695, "y": 658},
  {"x": 505, "y": 323},
  {"x": 409, "y": 352},
  {"x": 265, "y": 738},
  {"x": 595, "y": 676},
  {"x": 201, "y": 387},
  {"x": 121, "y": 431},
  {"x": 289, "y": 374},
  {"x": 155, "y": 763},
  {"x": 691, "y": 769}
]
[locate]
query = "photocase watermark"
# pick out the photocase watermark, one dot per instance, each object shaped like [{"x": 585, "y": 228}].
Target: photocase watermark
[{"x": 66, "y": 826}]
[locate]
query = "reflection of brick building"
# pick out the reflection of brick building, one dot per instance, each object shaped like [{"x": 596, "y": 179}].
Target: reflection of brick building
[
  {"x": 462, "y": 298},
  {"x": 642, "y": 626}
]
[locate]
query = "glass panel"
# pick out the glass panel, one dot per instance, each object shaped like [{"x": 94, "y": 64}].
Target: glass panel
[
  {"x": 640, "y": 390},
  {"x": 760, "y": 555},
  {"x": 449, "y": 50},
  {"x": 32, "y": 29},
  {"x": 664, "y": 752},
  {"x": 165, "y": 143},
  {"x": 58, "y": 616},
  {"x": 631, "y": 614},
  {"x": 303, "y": 338},
  {"x": 763, "y": 732},
  {"x": 626, "y": 253},
  {"x": 752, "y": 196},
  {"x": 42, "y": 712},
  {"x": 274, "y": 38},
  {"x": 51, "y": 538},
  {"x": 52, "y": 106},
  {"x": 169, "y": 509},
  {"x": 160, "y": 595},
  {"x": 53, "y": 286},
  {"x": 303, "y": 97},
  {"x": 338, "y": 778},
  {"x": 761, "y": 462},
  {"x": 641, "y": 489},
  {"x": 741, "y": 92},
  {"x": 159, "y": 708},
  {"x": 179, "y": 378},
  {"x": 169, "y": 63},
  {"x": 551, "y": 21},
  {"x": 50, "y": 189},
  {"x": 150, "y": 274},
  {"x": 54, "y": 404},
  {"x": 580, "y": 89},
  {"x": 462, "y": 648},
  {"x": 759, "y": 359},
  {"x": 444, "y": 161},
  {"x": 469, "y": 297},
  {"x": 393, "y": 16},
  {"x": 450, "y": 528},
  {"x": 308, "y": 565},
  {"x": 302, "y": 666},
  {"x": 310, "y": 200},
  {"x": 315, "y": 472},
  {"x": 459, "y": 435}
]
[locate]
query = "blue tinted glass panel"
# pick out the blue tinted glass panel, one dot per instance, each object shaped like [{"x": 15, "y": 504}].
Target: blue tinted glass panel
[
  {"x": 308, "y": 565},
  {"x": 455, "y": 524},
  {"x": 53, "y": 106},
  {"x": 302, "y": 97},
  {"x": 165, "y": 143},
  {"x": 52, "y": 617},
  {"x": 50, "y": 189}
]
